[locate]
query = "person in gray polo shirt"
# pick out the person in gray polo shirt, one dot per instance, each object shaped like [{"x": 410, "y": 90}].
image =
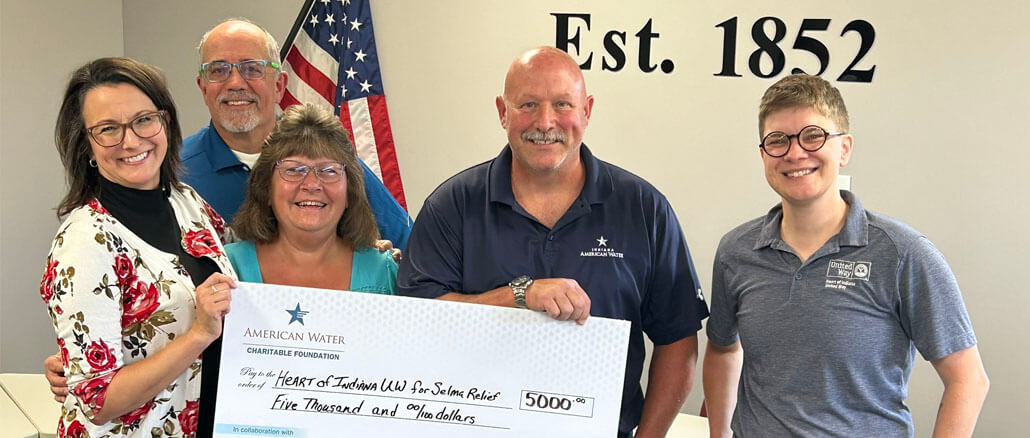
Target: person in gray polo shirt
[{"x": 818, "y": 307}]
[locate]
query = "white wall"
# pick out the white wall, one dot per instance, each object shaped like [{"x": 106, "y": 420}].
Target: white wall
[
  {"x": 938, "y": 132},
  {"x": 166, "y": 34},
  {"x": 40, "y": 45}
]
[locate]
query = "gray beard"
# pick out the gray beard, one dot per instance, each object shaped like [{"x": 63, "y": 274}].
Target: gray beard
[{"x": 239, "y": 123}]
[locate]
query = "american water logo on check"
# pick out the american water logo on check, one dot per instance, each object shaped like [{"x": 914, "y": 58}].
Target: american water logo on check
[{"x": 296, "y": 316}]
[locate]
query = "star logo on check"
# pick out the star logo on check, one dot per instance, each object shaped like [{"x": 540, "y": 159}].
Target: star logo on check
[{"x": 297, "y": 315}]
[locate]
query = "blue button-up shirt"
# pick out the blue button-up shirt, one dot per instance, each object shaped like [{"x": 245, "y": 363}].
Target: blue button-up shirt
[
  {"x": 619, "y": 239},
  {"x": 221, "y": 179}
]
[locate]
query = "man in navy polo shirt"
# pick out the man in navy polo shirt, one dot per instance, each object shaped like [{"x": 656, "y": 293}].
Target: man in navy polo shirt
[
  {"x": 218, "y": 157},
  {"x": 819, "y": 306},
  {"x": 549, "y": 227}
]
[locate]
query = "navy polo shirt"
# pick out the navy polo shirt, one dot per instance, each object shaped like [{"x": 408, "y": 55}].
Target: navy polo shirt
[
  {"x": 620, "y": 240},
  {"x": 221, "y": 179}
]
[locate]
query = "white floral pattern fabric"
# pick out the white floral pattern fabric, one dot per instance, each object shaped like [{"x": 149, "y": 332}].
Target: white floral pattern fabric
[{"x": 115, "y": 300}]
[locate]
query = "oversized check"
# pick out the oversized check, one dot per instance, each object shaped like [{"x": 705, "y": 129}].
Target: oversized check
[{"x": 299, "y": 362}]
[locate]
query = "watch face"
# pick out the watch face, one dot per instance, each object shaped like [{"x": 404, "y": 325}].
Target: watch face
[{"x": 520, "y": 281}]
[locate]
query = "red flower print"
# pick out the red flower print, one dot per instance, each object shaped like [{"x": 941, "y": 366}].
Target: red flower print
[
  {"x": 138, "y": 303},
  {"x": 46, "y": 287},
  {"x": 124, "y": 270},
  {"x": 188, "y": 418},
  {"x": 136, "y": 414},
  {"x": 95, "y": 206},
  {"x": 100, "y": 356},
  {"x": 201, "y": 243},
  {"x": 93, "y": 392},
  {"x": 64, "y": 352},
  {"x": 75, "y": 430},
  {"x": 216, "y": 219}
]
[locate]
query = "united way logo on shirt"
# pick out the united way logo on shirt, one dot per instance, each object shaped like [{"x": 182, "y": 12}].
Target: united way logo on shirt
[
  {"x": 840, "y": 273},
  {"x": 601, "y": 249},
  {"x": 848, "y": 269}
]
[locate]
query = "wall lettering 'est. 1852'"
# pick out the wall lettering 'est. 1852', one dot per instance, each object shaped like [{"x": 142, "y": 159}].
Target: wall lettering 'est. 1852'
[{"x": 570, "y": 28}]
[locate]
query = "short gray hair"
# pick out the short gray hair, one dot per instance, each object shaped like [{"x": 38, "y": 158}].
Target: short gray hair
[{"x": 270, "y": 44}]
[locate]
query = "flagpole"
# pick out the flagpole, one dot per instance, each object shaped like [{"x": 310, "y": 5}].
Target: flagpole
[{"x": 284, "y": 49}]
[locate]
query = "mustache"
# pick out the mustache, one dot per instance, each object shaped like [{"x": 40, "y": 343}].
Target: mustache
[
  {"x": 237, "y": 95},
  {"x": 553, "y": 135}
]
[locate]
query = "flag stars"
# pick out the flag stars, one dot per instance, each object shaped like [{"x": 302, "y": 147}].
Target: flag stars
[
  {"x": 348, "y": 42},
  {"x": 343, "y": 90},
  {"x": 356, "y": 25},
  {"x": 365, "y": 86},
  {"x": 350, "y": 72},
  {"x": 314, "y": 20},
  {"x": 360, "y": 55},
  {"x": 329, "y": 18},
  {"x": 333, "y": 39}
]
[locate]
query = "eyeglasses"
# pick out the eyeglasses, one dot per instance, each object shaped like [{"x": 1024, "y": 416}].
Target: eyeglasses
[
  {"x": 220, "y": 71},
  {"x": 811, "y": 138},
  {"x": 294, "y": 171},
  {"x": 146, "y": 125}
]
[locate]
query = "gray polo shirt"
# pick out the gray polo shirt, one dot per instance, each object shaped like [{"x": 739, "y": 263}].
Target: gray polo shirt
[{"x": 829, "y": 344}]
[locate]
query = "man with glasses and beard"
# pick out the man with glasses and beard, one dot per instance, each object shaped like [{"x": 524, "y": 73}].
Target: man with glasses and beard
[{"x": 242, "y": 84}]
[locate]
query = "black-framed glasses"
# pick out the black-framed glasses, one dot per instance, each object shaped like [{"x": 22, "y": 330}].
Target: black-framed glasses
[
  {"x": 811, "y": 138},
  {"x": 146, "y": 125},
  {"x": 220, "y": 71},
  {"x": 294, "y": 171}
]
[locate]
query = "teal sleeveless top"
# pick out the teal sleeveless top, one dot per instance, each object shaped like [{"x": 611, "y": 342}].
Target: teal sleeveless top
[{"x": 371, "y": 271}]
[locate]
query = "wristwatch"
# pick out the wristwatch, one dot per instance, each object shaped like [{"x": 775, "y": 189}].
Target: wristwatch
[{"x": 518, "y": 287}]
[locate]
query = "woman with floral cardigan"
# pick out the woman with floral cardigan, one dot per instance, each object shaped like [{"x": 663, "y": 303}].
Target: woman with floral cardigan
[{"x": 137, "y": 281}]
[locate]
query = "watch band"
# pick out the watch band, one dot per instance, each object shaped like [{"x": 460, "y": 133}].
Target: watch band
[{"x": 518, "y": 288}]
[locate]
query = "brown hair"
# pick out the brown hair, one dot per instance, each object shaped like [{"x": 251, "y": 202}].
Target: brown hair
[
  {"x": 802, "y": 90},
  {"x": 307, "y": 131},
  {"x": 70, "y": 133}
]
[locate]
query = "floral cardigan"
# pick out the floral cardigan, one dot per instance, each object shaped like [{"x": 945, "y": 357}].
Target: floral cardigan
[{"x": 114, "y": 300}]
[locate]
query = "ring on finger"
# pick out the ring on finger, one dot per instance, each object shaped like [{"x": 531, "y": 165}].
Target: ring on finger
[{"x": 214, "y": 288}]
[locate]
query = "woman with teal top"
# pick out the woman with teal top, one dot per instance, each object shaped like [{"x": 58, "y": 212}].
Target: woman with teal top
[{"x": 305, "y": 220}]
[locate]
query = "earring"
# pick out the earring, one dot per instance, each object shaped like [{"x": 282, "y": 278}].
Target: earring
[{"x": 92, "y": 163}]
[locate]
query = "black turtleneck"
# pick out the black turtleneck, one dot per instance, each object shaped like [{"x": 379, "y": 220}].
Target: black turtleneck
[{"x": 149, "y": 215}]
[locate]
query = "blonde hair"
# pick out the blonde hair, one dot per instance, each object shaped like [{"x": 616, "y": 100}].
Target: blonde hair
[{"x": 800, "y": 91}]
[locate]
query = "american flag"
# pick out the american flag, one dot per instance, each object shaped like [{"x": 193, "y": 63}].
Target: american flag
[{"x": 332, "y": 61}]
